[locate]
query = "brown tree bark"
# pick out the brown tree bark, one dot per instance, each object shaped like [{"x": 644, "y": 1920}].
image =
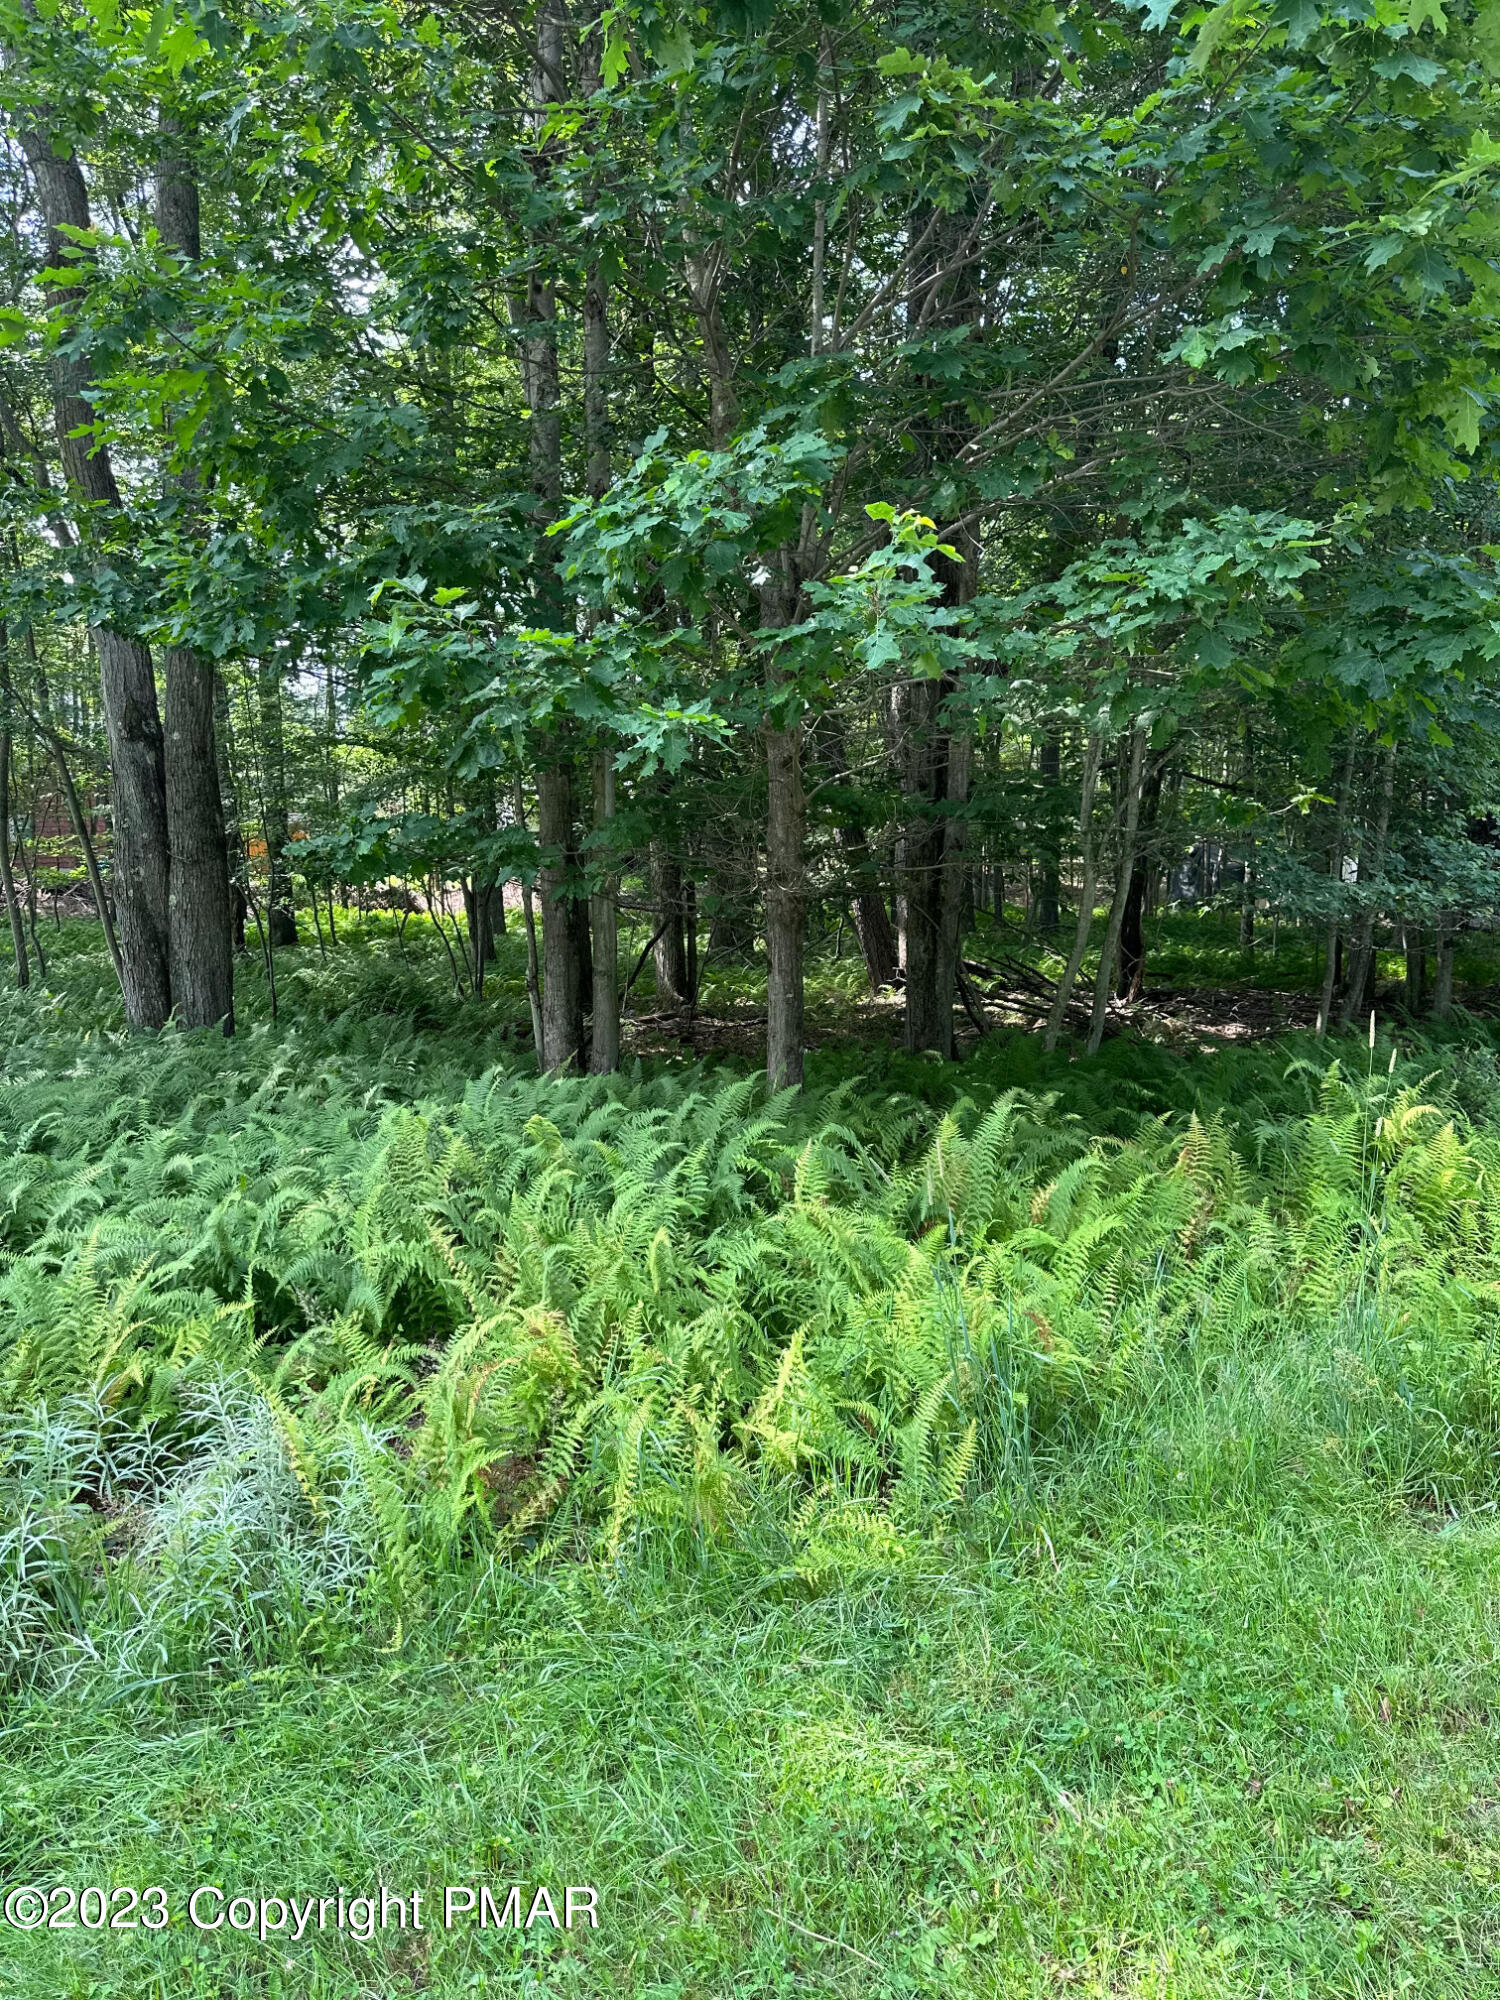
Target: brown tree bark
[
  {"x": 562, "y": 990},
  {"x": 669, "y": 953},
  {"x": 1332, "y": 939},
  {"x": 1130, "y": 811},
  {"x": 200, "y": 954},
  {"x": 7, "y": 871},
  {"x": 1059, "y": 1010},
  {"x": 1048, "y": 908},
  {"x": 131, "y": 715},
  {"x": 872, "y": 923},
  {"x": 604, "y": 1045},
  {"x": 281, "y": 919},
  {"x": 1359, "y": 992},
  {"x": 786, "y": 864},
  {"x": 1132, "y": 972}
]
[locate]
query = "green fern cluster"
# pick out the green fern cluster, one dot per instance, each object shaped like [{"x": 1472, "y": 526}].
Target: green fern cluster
[{"x": 520, "y": 1311}]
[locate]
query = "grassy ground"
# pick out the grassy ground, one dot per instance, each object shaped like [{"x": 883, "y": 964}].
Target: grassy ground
[
  {"x": 1203, "y": 1702},
  {"x": 1152, "y": 1754}
]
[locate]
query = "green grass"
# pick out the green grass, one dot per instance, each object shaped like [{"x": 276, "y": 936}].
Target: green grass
[
  {"x": 1154, "y": 1754},
  {"x": 1181, "y": 1684}
]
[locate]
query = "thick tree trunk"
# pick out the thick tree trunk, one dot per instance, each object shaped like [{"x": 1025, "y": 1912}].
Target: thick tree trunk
[
  {"x": 1442, "y": 988},
  {"x": 200, "y": 920},
  {"x": 132, "y": 718},
  {"x": 1416, "y": 969},
  {"x": 669, "y": 953},
  {"x": 1132, "y": 973},
  {"x": 200, "y": 952}
]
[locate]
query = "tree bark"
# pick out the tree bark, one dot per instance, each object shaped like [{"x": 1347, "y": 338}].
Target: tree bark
[
  {"x": 1130, "y": 813},
  {"x": 1442, "y": 988},
  {"x": 1132, "y": 974},
  {"x": 562, "y": 993},
  {"x": 1065, "y": 985},
  {"x": 604, "y": 1046},
  {"x": 7, "y": 871},
  {"x": 786, "y": 877},
  {"x": 1358, "y": 992},
  {"x": 200, "y": 954},
  {"x": 132, "y": 718},
  {"x": 669, "y": 953},
  {"x": 1331, "y": 940},
  {"x": 281, "y": 919},
  {"x": 872, "y": 923},
  {"x": 1048, "y": 910}
]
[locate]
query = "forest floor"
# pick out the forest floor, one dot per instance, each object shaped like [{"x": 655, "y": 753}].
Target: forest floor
[{"x": 1208, "y": 1707}]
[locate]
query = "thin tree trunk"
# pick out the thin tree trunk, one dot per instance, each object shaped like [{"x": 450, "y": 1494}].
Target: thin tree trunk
[
  {"x": 1131, "y": 804},
  {"x": 786, "y": 877},
  {"x": 1064, "y": 993},
  {"x": 533, "y": 978},
  {"x": 1336, "y": 871},
  {"x": 281, "y": 920},
  {"x": 1362, "y": 957},
  {"x": 78, "y": 818},
  {"x": 604, "y": 912},
  {"x": 200, "y": 952},
  {"x": 872, "y": 923},
  {"x": 234, "y": 845},
  {"x": 7, "y": 872},
  {"x": 1048, "y": 911}
]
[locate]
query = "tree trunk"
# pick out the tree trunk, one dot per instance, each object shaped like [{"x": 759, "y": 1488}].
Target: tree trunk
[
  {"x": 234, "y": 845},
  {"x": 786, "y": 878},
  {"x": 7, "y": 872},
  {"x": 604, "y": 1047},
  {"x": 562, "y": 995},
  {"x": 1130, "y": 806},
  {"x": 1442, "y": 989},
  {"x": 1332, "y": 938},
  {"x": 1416, "y": 969},
  {"x": 1132, "y": 976},
  {"x": 131, "y": 716},
  {"x": 1064, "y": 993},
  {"x": 1048, "y": 911},
  {"x": 281, "y": 919},
  {"x": 1362, "y": 958},
  {"x": 872, "y": 924},
  {"x": 669, "y": 953},
  {"x": 200, "y": 954}
]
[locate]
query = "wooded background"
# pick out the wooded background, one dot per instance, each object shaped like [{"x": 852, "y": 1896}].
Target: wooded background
[{"x": 748, "y": 468}]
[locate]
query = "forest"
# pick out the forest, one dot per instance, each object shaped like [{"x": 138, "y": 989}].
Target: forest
[{"x": 749, "y": 1092}]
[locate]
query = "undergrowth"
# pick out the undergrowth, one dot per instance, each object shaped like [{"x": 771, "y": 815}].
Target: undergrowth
[{"x": 289, "y": 1324}]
